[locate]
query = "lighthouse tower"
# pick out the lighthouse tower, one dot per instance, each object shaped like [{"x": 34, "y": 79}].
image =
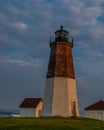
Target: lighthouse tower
[{"x": 60, "y": 97}]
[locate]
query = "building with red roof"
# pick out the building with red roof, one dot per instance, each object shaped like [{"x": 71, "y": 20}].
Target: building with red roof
[
  {"x": 31, "y": 107},
  {"x": 95, "y": 110}
]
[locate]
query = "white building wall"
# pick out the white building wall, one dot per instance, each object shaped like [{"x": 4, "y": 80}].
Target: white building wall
[
  {"x": 27, "y": 112},
  {"x": 47, "y": 100},
  {"x": 38, "y": 109},
  {"x": 60, "y": 105},
  {"x": 72, "y": 96},
  {"x": 95, "y": 114},
  {"x": 31, "y": 112},
  {"x": 60, "y": 93}
]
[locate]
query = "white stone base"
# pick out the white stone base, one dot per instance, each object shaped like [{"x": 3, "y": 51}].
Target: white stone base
[
  {"x": 60, "y": 98},
  {"x": 95, "y": 114}
]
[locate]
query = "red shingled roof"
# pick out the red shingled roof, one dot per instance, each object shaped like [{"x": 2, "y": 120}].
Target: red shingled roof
[
  {"x": 30, "y": 102},
  {"x": 96, "y": 106}
]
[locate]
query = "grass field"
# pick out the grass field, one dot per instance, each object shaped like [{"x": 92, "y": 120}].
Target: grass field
[{"x": 50, "y": 124}]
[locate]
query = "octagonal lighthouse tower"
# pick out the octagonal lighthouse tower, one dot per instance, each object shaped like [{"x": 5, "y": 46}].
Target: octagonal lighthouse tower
[{"x": 60, "y": 97}]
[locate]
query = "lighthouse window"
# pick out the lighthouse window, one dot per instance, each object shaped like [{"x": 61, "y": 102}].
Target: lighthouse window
[
  {"x": 61, "y": 34},
  {"x": 57, "y": 34}
]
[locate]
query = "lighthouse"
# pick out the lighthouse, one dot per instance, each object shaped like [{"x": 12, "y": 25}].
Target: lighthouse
[{"x": 60, "y": 96}]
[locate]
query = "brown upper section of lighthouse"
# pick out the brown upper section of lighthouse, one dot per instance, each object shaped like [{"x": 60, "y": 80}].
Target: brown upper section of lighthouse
[{"x": 61, "y": 60}]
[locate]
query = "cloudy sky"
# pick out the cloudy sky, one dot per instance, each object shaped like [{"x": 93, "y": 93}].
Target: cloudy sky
[{"x": 25, "y": 30}]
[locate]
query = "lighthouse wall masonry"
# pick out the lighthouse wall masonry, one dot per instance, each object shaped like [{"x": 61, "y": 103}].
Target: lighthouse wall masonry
[
  {"x": 60, "y": 97},
  {"x": 61, "y": 61}
]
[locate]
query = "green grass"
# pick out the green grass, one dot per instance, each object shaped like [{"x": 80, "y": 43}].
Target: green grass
[{"x": 50, "y": 124}]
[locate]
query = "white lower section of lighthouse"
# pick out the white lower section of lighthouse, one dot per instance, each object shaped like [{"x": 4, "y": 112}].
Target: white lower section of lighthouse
[{"x": 60, "y": 98}]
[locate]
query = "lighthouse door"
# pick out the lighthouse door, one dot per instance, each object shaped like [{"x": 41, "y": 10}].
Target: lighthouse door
[{"x": 73, "y": 108}]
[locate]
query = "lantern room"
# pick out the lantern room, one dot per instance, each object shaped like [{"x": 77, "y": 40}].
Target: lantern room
[{"x": 61, "y": 35}]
